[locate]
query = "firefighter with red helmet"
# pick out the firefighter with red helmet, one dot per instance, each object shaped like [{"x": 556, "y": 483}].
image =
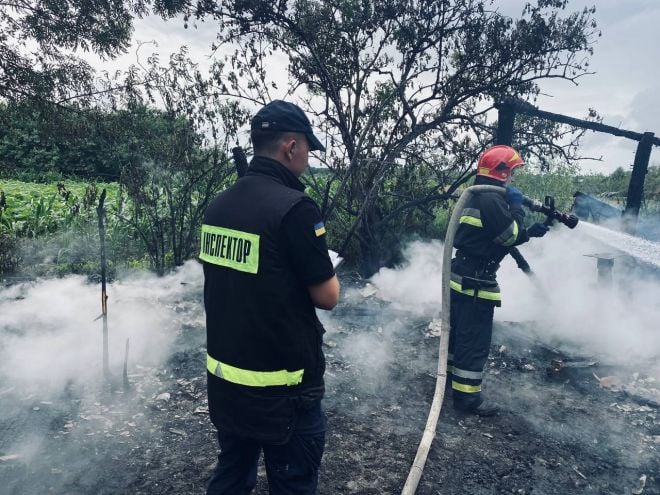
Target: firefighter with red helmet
[{"x": 490, "y": 224}]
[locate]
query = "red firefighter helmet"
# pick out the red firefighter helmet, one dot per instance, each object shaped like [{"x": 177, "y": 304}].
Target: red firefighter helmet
[{"x": 498, "y": 161}]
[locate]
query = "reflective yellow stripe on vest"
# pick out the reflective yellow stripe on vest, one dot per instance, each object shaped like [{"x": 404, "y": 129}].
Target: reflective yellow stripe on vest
[
  {"x": 483, "y": 294},
  {"x": 253, "y": 378}
]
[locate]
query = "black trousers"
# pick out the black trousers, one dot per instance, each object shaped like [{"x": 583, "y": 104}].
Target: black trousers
[
  {"x": 292, "y": 468},
  {"x": 469, "y": 345}
]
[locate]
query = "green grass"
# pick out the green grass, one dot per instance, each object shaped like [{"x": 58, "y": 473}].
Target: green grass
[{"x": 35, "y": 209}]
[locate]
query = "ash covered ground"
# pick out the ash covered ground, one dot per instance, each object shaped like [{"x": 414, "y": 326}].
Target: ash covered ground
[{"x": 572, "y": 423}]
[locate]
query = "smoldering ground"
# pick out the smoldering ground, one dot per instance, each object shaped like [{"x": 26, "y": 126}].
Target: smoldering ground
[
  {"x": 572, "y": 308},
  {"x": 61, "y": 420},
  {"x": 563, "y": 314},
  {"x": 562, "y": 434},
  {"x": 563, "y": 304},
  {"x": 51, "y": 339}
]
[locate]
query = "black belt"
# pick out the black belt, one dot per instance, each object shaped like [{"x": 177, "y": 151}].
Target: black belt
[{"x": 479, "y": 268}]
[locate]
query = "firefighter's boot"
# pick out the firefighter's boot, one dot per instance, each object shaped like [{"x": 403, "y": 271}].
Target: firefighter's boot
[{"x": 482, "y": 408}]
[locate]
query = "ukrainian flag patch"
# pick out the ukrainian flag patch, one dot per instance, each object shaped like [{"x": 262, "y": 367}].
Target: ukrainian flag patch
[{"x": 319, "y": 229}]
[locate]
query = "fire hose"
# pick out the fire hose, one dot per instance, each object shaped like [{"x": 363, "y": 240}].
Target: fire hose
[
  {"x": 548, "y": 209},
  {"x": 552, "y": 214}
]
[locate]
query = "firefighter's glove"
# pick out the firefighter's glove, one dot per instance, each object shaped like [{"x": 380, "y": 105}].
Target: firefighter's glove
[
  {"x": 537, "y": 230},
  {"x": 513, "y": 196}
]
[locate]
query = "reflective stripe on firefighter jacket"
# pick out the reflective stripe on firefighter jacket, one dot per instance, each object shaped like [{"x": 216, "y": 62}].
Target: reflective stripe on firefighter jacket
[{"x": 488, "y": 228}]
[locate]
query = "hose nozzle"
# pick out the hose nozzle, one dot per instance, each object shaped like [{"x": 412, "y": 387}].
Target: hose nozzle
[{"x": 548, "y": 209}]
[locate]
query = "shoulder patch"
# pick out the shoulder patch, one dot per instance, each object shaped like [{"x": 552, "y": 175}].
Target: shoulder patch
[{"x": 319, "y": 229}]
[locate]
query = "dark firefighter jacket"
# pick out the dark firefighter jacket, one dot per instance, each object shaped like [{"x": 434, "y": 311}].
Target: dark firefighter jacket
[
  {"x": 263, "y": 336},
  {"x": 488, "y": 228}
]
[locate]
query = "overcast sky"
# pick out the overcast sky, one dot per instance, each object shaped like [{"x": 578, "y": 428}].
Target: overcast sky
[{"x": 624, "y": 90}]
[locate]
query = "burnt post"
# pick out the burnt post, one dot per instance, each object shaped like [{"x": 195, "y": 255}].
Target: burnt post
[
  {"x": 605, "y": 266},
  {"x": 637, "y": 178},
  {"x": 240, "y": 161},
  {"x": 506, "y": 117},
  {"x": 100, "y": 211}
]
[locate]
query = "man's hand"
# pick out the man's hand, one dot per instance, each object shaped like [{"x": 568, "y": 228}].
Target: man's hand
[
  {"x": 513, "y": 196},
  {"x": 537, "y": 230}
]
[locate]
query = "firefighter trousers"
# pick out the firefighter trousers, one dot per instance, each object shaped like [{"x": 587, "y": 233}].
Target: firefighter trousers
[{"x": 469, "y": 345}]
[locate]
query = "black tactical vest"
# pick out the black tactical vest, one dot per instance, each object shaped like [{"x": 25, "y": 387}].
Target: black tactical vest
[{"x": 263, "y": 336}]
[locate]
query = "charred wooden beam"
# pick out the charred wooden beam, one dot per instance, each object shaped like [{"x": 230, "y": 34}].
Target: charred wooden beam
[
  {"x": 523, "y": 107},
  {"x": 127, "y": 384},
  {"x": 506, "y": 117},
  {"x": 240, "y": 161},
  {"x": 508, "y": 107},
  {"x": 636, "y": 184}
]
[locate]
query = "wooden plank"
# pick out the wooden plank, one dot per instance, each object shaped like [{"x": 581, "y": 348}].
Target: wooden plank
[{"x": 529, "y": 109}]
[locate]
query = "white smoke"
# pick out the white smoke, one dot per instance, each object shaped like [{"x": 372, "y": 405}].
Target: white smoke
[
  {"x": 571, "y": 306},
  {"x": 563, "y": 304},
  {"x": 416, "y": 285},
  {"x": 49, "y": 337}
]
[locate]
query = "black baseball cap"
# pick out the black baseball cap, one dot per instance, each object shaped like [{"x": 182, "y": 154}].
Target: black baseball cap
[{"x": 282, "y": 116}]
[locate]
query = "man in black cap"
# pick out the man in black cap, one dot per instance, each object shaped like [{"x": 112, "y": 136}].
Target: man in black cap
[{"x": 266, "y": 269}]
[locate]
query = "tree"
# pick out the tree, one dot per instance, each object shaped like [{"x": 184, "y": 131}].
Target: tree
[
  {"x": 39, "y": 39},
  {"x": 398, "y": 86},
  {"x": 159, "y": 130},
  {"x": 37, "y": 141},
  {"x": 177, "y": 158}
]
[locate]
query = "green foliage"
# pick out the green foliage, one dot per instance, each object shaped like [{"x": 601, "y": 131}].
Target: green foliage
[
  {"x": 52, "y": 222},
  {"x": 167, "y": 169},
  {"x": 442, "y": 216},
  {"x": 167, "y": 165},
  {"x": 45, "y": 143},
  {"x": 558, "y": 182},
  {"x": 406, "y": 88},
  {"x": 39, "y": 37},
  {"x": 33, "y": 210},
  {"x": 614, "y": 187}
]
